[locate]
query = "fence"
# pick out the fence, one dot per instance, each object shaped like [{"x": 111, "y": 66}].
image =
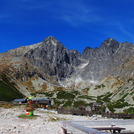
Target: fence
[
  {"x": 118, "y": 116},
  {"x": 82, "y": 111}
]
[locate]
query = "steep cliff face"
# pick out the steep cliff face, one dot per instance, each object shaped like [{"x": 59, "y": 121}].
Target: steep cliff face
[
  {"x": 53, "y": 58},
  {"x": 112, "y": 58},
  {"x": 48, "y": 67}
]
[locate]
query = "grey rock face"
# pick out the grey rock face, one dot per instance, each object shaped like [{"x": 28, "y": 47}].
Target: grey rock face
[
  {"x": 107, "y": 60},
  {"x": 88, "y": 53},
  {"x": 53, "y": 58}
]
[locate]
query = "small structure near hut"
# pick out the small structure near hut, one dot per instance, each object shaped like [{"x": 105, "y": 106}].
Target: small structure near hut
[
  {"x": 20, "y": 101},
  {"x": 42, "y": 102},
  {"x": 96, "y": 107}
]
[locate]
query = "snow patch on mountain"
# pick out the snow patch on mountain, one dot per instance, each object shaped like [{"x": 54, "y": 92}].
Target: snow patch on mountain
[{"x": 83, "y": 65}]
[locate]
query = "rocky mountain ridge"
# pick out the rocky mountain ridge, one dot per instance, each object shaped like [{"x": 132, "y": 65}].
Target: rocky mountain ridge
[{"x": 49, "y": 66}]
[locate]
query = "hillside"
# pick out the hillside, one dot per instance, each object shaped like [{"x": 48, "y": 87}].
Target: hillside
[
  {"x": 7, "y": 90},
  {"x": 70, "y": 79}
]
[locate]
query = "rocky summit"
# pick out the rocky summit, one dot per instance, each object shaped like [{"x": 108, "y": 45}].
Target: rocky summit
[{"x": 49, "y": 69}]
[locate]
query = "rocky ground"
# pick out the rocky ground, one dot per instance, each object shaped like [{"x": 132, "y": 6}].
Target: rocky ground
[{"x": 44, "y": 121}]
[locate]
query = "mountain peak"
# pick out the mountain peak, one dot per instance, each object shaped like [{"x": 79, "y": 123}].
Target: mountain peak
[
  {"x": 51, "y": 40},
  {"x": 110, "y": 39},
  {"x": 110, "y": 43}
]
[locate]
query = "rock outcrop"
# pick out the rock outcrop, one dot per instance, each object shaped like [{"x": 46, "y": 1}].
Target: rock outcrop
[
  {"x": 112, "y": 58},
  {"x": 53, "y": 58}
]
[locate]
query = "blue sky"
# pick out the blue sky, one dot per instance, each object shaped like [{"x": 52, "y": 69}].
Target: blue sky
[{"x": 75, "y": 23}]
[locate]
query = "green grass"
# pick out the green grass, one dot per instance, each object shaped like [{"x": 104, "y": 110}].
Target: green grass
[
  {"x": 117, "y": 104},
  {"x": 58, "y": 102},
  {"x": 68, "y": 103},
  {"x": 79, "y": 103},
  {"x": 129, "y": 110},
  {"x": 99, "y": 86},
  {"x": 23, "y": 116},
  {"x": 107, "y": 96},
  {"x": 87, "y": 97},
  {"x": 65, "y": 95},
  {"x": 8, "y": 92},
  {"x": 47, "y": 94}
]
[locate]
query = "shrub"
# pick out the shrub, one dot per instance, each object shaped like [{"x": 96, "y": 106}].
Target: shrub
[
  {"x": 129, "y": 110},
  {"x": 57, "y": 102},
  {"x": 87, "y": 97},
  {"x": 107, "y": 97},
  {"x": 68, "y": 104},
  {"x": 117, "y": 104},
  {"x": 99, "y": 86},
  {"x": 130, "y": 79},
  {"x": 65, "y": 95},
  {"x": 79, "y": 103}
]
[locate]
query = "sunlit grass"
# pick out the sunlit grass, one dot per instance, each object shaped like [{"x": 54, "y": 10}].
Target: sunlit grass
[{"x": 23, "y": 116}]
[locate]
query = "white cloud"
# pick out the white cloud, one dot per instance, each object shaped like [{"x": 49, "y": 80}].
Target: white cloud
[
  {"x": 129, "y": 34},
  {"x": 122, "y": 29},
  {"x": 77, "y": 13}
]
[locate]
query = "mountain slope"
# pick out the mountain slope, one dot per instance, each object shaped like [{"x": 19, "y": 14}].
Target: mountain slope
[
  {"x": 46, "y": 68},
  {"x": 8, "y": 92}
]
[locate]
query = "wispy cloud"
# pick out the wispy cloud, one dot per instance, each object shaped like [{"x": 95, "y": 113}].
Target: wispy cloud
[
  {"x": 120, "y": 29},
  {"x": 77, "y": 13},
  {"x": 78, "y": 18},
  {"x": 129, "y": 34},
  {"x": 74, "y": 13}
]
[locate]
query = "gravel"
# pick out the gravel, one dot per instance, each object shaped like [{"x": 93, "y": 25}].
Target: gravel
[{"x": 46, "y": 122}]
